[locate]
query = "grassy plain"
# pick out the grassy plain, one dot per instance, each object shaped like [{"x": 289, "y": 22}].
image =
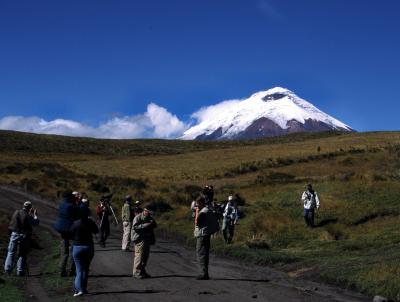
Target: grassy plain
[{"x": 356, "y": 243}]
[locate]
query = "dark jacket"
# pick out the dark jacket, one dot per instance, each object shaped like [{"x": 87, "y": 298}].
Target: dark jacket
[
  {"x": 67, "y": 214},
  {"x": 81, "y": 231},
  {"x": 21, "y": 222}
]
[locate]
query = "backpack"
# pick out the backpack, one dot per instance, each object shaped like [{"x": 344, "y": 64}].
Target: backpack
[{"x": 213, "y": 225}]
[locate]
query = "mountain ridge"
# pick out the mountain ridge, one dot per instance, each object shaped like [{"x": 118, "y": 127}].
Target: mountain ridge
[{"x": 274, "y": 112}]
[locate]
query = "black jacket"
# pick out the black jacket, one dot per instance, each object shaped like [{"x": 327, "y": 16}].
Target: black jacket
[{"x": 21, "y": 222}]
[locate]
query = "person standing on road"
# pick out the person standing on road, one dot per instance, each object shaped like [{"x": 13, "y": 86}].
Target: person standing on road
[
  {"x": 230, "y": 218},
  {"x": 311, "y": 202},
  {"x": 142, "y": 235},
  {"x": 193, "y": 208},
  {"x": 21, "y": 225},
  {"x": 103, "y": 211},
  {"x": 126, "y": 223},
  {"x": 208, "y": 193},
  {"x": 137, "y": 209},
  {"x": 67, "y": 214},
  {"x": 83, "y": 249},
  {"x": 206, "y": 224}
]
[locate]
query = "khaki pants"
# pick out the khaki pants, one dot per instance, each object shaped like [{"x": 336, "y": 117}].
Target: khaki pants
[
  {"x": 126, "y": 238},
  {"x": 142, "y": 252},
  {"x": 203, "y": 253}
]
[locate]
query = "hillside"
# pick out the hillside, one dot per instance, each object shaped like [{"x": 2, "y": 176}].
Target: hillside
[{"x": 355, "y": 245}]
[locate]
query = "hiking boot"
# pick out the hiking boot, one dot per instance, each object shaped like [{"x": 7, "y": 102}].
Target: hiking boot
[
  {"x": 137, "y": 276},
  {"x": 145, "y": 276}
]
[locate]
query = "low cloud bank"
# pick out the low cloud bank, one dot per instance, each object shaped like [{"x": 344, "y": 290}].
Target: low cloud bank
[{"x": 156, "y": 122}]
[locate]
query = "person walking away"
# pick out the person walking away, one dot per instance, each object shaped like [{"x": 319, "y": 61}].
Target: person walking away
[
  {"x": 206, "y": 224},
  {"x": 83, "y": 249},
  {"x": 126, "y": 223},
  {"x": 103, "y": 213},
  {"x": 311, "y": 202},
  {"x": 21, "y": 226},
  {"x": 67, "y": 214},
  {"x": 143, "y": 237},
  {"x": 230, "y": 217}
]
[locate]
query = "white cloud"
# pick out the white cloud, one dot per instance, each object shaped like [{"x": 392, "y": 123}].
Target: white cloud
[
  {"x": 156, "y": 122},
  {"x": 165, "y": 124},
  {"x": 214, "y": 111}
]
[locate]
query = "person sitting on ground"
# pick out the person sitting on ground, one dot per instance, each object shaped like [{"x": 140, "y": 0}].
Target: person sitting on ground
[
  {"x": 230, "y": 218},
  {"x": 127, "y": 218},
  {"x": 310, "y": 202},
  {"x": 21, "y": 226},
  {"x": 142, "y": 235},
  {"x": 83, "y": 249},
  {"x": 67, "y": 214}
]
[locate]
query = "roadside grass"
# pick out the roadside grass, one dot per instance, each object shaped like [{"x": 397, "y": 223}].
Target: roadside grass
[
  {"x": 11, "y": 290},
  {"x": 59, "y": 289},
  {"x": 356, "y": 243}
]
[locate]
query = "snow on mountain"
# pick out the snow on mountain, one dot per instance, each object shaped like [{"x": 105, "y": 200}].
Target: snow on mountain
[{"x": 274, "y": 112}]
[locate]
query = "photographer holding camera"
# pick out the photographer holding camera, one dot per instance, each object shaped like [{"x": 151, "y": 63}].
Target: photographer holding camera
[
  {"x": 103, "y": 211},
  {"x": 20, "y": 227}
]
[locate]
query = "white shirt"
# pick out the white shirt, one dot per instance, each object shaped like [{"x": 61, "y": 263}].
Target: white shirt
[
  {"x": 310, "y": 201},
  {"x": 230, "y": 212}
]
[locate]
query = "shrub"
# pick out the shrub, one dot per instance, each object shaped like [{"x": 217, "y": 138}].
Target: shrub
[
  {"x": 158, "y": 205},
  {"x": 99, "y": 187}
]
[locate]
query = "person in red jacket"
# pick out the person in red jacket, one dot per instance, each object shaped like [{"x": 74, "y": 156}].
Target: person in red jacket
[{"x": 103, "y": 211}]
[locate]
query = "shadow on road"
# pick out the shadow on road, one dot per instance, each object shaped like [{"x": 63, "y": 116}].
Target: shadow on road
[
  {"x": 111, "y": 276},
  {"x": 164, "y": 252},
  {"x": 131, "y": 291},
  {"x": 326, "y": 222}
]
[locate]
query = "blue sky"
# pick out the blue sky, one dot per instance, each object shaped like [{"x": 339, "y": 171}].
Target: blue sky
[{"x": 93, "y": 61}]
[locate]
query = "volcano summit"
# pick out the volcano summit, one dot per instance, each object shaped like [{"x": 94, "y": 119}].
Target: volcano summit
[{"x": 277, "y": 111}]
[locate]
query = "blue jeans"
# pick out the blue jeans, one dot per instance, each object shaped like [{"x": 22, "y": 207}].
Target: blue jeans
[
  {"x": 21, "y": 241},
  {"x": 309, "y": 217},
  {"x": 83, "y": 255}
]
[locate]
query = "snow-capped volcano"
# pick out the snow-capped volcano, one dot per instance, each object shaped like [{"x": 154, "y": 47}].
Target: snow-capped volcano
[{"x": 274, "y": 112}]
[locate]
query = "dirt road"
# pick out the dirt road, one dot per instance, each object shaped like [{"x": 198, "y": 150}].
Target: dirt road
[{"x": 173, "y": 269}]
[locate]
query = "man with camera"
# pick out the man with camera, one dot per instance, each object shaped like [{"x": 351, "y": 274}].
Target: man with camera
[
  {"x": 143, "y": 237},
  {"x": 20, "y": 227},
  {"x": 311, "y": 202}
]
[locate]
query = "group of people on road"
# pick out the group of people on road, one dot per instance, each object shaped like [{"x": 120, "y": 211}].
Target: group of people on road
[{"x": 76, "y": 227}]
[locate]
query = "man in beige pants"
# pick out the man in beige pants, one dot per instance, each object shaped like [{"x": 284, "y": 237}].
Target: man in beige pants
[
  {"x": 126, "y": 223},
  {"x": 143, "y": 236}
]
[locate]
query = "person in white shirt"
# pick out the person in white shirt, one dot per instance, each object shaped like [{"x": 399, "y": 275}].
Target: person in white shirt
[
  {"x": 311, "y": 202},
  {"x": 230, "y": 218}
]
